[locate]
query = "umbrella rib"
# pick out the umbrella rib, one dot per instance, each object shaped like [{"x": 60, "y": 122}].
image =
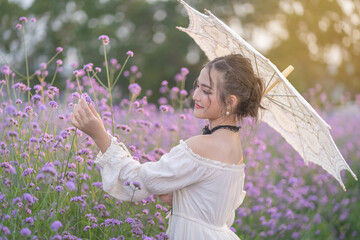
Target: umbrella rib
[
  {"x": 314, "y": 130},
  {"x": 279, "y": 95},
  {"x": 257, "y": 69},
  {"x": 297, "y": 127},
  {"x": 322, "y": 147},
  {"x": 242, "y": 51},
  {"x": 268, "y": 83},
  {"x": 286, "y": 107}
]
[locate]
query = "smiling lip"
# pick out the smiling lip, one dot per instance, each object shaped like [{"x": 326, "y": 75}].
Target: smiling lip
[{"x": 198, "y": 106}]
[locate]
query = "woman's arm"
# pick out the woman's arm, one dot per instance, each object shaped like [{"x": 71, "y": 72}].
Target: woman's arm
[{"x": 89, "y": 121}]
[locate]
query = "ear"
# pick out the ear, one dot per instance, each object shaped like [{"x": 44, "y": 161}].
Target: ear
[{"x": 232, "y": 101}]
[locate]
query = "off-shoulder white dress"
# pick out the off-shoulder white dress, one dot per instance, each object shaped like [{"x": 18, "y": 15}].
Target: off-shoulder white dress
[{"x": 205, "y": 192}]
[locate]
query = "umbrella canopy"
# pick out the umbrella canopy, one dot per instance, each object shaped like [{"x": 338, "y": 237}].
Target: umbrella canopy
[{"x": 286, "y": 110}]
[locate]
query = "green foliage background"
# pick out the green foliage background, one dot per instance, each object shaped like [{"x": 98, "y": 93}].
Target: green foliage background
[{"x": 131, "y": 25}]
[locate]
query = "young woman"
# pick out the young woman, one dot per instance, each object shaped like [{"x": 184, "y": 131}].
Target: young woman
[{"x": 203, "y": 175}]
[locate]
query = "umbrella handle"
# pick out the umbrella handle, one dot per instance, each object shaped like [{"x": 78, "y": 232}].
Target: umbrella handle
[{"x": 286, "y": 73}]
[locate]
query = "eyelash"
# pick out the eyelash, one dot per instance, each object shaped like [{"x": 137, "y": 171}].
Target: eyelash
[{"x": 205, "y": 92}]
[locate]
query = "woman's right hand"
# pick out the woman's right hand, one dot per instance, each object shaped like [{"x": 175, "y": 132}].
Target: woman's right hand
[
  {"x": 166, "y": 198},
  {"x": 89, "y": 121}
]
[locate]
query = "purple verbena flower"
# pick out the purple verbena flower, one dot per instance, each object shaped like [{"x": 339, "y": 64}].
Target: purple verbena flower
[
  {"x": 179, "y": 77},
  {"x": 175, "y": 89},
  {"x": 57, "y": 237},
  {"x": 88, "y": 67},
  {"x": 30, "y": 199},
  {"x": 6, "y": 230},
  {"x": 6, "y": 70},
  {"x": 23, "y": 19},
  {"x": 6, "y": 165},
  {"x": 184, "y": 71},
  {"x": 56, "y": 225},
  {"x": 135, "y": 89},
  {"x": 59, "y": 49},
  {"x": 30, "y": 220},
  {"x": 164, "y": 108},
  {"x": 28, "y": 109},
  {"x": 36, "y": 98},
  {"x": 126, "y": 73},
  {"x": 12, "y": 134},
  {"x": 130, "y": 53},
  {"x": 33, "y": 19},
  {"x": 25, "y": 232},
  {"x": 183, "y": 92},
  {"x": 97, "y": 184},
  {"x": 79, "y": 73},
  {"x": 28, "y": 171},
  {"x": 87, "y": 98},
  {"x": 105, "y": 39},
  {"x": 59, "y": 62},
  {"x": 53, "y": 104},
  {"x": 49, "y": 169},
  {"x": 137, "y": 185},
  {"x": 43, "y": 65},
  {"x": 75, "y": 95},
  {"x": 70, "y": 185},
  {"x": 133, "y": 69}
]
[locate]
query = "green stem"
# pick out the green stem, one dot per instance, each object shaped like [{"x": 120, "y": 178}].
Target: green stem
[
  {"x": 45, "y": 198},
  {"x": 78, "y": 83},
  {"x": 12, "y": 69},
  {"x": 92, "y": 86},
  {"x": 7, "y": 85},
  {"x": 109, "y": 90},
  {"x": 121, "y": 70},
  {"x": 70, "y": 152},
  {"x": 26, "y": 63},
  {"x": 52, "y": 59},
  {"x": 14, "y": 91},
  {"x": 52, "y": 81},
  {"x": 54, "y": 125},
  {"x": 41, "y": 144},
  {"x": 181, "y": 97},
  {"x": 99, "y": 81}
]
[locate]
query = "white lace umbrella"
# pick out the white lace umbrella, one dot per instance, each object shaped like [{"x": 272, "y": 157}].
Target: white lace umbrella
[{"x": 286, "y": 110}]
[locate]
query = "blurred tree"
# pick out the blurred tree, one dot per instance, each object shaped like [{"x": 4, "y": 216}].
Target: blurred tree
[{"x": 320, "y": 38}]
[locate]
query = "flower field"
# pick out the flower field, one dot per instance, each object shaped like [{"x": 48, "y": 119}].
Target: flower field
[{"x": 50, "y": 187}]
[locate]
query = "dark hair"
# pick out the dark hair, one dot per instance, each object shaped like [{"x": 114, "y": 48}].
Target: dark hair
[{"x": 240, "y": 80}]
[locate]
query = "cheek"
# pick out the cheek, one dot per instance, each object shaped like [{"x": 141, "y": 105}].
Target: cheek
[{"x": 206, "y": 101}]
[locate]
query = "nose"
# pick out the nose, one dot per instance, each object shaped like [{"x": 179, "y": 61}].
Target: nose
[{"x": 195, "y": 95}]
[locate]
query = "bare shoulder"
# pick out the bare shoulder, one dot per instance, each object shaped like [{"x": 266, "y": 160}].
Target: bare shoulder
[
  {"x": 200, "y": 145},
  {"x": 215, "y": 148}
]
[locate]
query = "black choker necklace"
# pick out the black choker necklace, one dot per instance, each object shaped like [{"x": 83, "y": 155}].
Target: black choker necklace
[{"x": 206, "y": 129}]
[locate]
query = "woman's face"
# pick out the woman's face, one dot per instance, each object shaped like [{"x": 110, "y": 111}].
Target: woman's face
[{"x": 207, "y": 105}]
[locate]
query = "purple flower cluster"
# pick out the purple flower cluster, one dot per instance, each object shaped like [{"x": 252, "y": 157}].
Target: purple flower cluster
[
  {"x": 135, "y": 89},
  {"x": 105, "y": 39}
]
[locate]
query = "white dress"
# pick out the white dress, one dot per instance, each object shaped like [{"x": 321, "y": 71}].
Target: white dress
[{"x": 205, "y": 192}]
